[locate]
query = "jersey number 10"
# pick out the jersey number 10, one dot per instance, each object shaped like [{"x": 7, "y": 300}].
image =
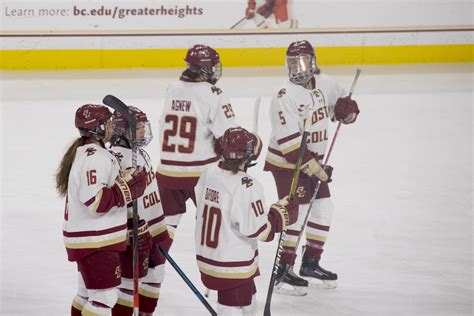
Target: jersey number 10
[{"x": 211, "y": 225}]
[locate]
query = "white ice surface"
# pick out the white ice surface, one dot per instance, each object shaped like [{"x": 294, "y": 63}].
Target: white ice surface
[{"x": 401, "y": 237}]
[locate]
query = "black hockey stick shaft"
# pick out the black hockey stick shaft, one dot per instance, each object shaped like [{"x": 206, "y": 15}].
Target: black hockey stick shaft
[
  {"x": 294, "y": 184},
  {"x": 315, "y": 192},
  {"x": 120, "y": 106},
  {"x": 188, "y": 282},
  {"x": 238, "y": 22}
]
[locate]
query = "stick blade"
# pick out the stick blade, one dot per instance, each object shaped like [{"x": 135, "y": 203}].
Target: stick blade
[{"x": 119, "y": 105}]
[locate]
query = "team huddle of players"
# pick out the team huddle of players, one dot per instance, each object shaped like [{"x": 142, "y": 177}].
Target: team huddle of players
[{"x": 204, "y": 156}]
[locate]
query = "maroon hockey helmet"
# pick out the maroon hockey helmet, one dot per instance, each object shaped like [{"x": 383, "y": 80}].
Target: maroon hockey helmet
[
  {"x": 301, "y": 62},
  {"x": 205, "y": 61},
  {"x": 122, "y": 128},
  {"x": 90, "y": 119},
  {"x": 238, "y": 143}
]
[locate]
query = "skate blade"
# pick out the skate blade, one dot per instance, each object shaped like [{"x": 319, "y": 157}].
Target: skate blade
[
  {"x": 322, "y": 284},
  {"x": 287, "y": 289}
]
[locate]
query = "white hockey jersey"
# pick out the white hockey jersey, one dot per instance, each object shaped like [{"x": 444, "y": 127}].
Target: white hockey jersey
[
  {"x": 149, "y": 204},
  {"x": 90, "y": 219},
  {"x": 193, "y": 115},
  {"x": 231, "y": 217},
  {"x": 288, "y": 111}
]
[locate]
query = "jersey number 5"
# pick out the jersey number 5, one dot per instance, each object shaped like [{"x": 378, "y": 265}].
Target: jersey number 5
[
  {"x": 187, "y": 130},
  {"x": 211, "y": 225}
]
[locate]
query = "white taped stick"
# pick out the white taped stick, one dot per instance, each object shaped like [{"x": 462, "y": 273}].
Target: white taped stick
[{"x": 256, "y": 110}]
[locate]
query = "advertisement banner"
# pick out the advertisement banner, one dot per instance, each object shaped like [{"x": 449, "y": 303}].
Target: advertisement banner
[{"x": 195, "y": 16}]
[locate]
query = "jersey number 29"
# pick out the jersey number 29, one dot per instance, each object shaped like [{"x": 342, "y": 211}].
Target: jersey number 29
[{"x": 186, "y": 125}]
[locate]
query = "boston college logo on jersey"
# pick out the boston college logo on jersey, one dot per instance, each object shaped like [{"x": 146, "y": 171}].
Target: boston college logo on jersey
[
  {"x": 247, "y": 182},
  {"x": 119, "y": 156},
  {"x": 90, "y": 151},
  {"x": 281, "y": 93},
  {"x": 216, "y": 90}
]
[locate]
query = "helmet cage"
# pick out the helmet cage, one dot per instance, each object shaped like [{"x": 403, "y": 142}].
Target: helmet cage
[
  {"x": 122, "y": 129},
  {"x": 211, "y": 73},
  {"x": 301, "y": 68}
]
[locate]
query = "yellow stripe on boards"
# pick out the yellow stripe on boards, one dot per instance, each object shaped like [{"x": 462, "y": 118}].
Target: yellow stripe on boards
[{"x": 231, "y": 57}]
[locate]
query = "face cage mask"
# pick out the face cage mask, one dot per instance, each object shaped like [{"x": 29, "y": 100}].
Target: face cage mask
[
  {"x": 250, "y": 157},
  {"x": 300, "y": 68},
  {"x": 147, "y": 137},
  {"x": 214, "y": 74}
]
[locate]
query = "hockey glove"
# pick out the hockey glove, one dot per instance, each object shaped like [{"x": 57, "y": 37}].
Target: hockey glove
[
  {"x": 250, "y": 11},
  {"x": 312, "y": 168},
  {"x": 131, "y": 184},
  {"x": 346, "y": 110},
  {"x": 144, "y": 245},
  {"x": 328, "y": 170},
  {"x": 267, "y": 9},
  {"x": 287, "y": 213},
  {"x": 144, "y": 237}
]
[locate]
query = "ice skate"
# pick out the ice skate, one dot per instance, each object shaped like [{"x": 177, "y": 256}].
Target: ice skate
[
  {"x": 288, "y": 283},
  {"x": 316, "y": 276}
]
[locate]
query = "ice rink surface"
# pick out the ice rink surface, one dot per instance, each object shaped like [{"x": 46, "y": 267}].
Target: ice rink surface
[{"x": 401, "y": 236}]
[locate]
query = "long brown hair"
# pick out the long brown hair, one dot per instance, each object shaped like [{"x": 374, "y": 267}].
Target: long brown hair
[
  {"x": 62, "y": 174},
  {"x": 232, "y": 165}
]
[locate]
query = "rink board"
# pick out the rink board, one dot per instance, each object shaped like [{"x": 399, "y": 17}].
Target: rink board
[{"x": 231, "y": 57}]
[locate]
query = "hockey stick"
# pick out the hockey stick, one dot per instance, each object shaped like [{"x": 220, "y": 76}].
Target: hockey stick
[
  {"x": 188, "y": 282},
  {"x": 255, "y": 114},
  {"x": 238, "y": 22},
  {"x": 313, "y": 197},
  {"x": 118, "y": 105},
  {"x": 294, "y": 183}
]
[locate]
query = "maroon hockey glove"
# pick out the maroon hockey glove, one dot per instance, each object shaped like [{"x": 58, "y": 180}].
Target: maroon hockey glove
[
  {"x": 250, "y": 11},
  {"x": 313, "y": 169},
  {"x": 130, "y": 184},
  {"x": 285, "y": 212},
  {"x": 346, "y": 110},
  {"x": 328, "y": 170},
  {"x": 144, "y": 244},
  {"x": 144, "y": 238},
  {"x": 267, "y": 9}
]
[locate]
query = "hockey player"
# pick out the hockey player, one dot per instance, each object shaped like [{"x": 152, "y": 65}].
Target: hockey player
[
  {"x": 95, "y": 216},
  {"x": 152, "y": 226},
  {"x": 307, "y": 94},
  {"x": 231, "y": 218},
  {"x": 195, "y": 115},
  {"x": 260, "y": 12}
]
